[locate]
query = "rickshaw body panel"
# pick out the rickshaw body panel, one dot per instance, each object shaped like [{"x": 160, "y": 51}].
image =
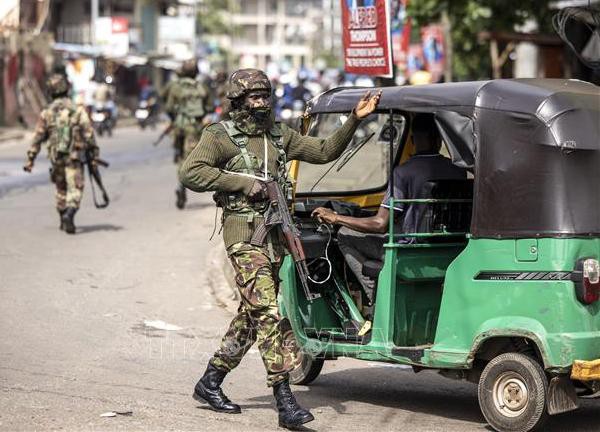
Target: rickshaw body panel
[
  {"x": 433, "y": 309},
  {"x": 547, "y": 312}
]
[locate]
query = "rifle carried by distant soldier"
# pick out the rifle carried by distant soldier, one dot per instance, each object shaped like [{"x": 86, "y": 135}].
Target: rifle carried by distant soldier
[
  {"x": 164, "y": 133},
  {"x": 92, "y": 162}
]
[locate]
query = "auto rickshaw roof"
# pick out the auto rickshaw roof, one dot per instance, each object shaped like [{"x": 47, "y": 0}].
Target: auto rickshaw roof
[
  {"x": 533, "y": 144},
  {"x": 515, "y": 95}
]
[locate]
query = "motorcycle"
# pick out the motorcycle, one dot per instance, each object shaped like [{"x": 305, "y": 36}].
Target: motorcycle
[
  {"x": 147, "y": 113},
  {"x": 102, "y": 120}
]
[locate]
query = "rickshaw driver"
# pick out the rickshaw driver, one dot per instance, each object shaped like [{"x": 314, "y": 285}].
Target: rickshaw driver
[{"x": 362, "y": 239}]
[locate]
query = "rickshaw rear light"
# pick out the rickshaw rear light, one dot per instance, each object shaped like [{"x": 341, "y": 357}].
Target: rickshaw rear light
[
  {"x": 587, "y": 280},
  {"x": 591, "y": 271}
]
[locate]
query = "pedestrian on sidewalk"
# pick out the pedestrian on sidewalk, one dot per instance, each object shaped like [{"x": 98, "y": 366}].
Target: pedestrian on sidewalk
[
  {"x": 226, "y": 160},
  {"x": 68, "y": 132}
]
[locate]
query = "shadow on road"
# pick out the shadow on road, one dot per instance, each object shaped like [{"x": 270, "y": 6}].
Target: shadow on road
[
  {"x": 433, "y": 395},
  {"x": 199, "y": 205},
  {"x": 98, "y": 227}
]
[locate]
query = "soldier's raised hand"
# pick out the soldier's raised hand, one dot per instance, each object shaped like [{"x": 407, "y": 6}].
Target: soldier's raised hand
[
  {"x": 367, "y": 104},
  {"x": 28, "y": 166}
]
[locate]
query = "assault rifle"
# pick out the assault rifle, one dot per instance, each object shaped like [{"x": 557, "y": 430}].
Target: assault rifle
[
  {"x": 92, "y": 163},
  {"x": 278, "y": 215},
  {"x": 164, "y": 133}
]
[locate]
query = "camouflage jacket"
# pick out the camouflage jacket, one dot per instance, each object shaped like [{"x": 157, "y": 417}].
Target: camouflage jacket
[
  {"x": 80, "y": 130},
  {"x": 175, "y": 94}
]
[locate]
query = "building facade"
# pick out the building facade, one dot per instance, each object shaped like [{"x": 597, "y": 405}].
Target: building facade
[{"x": 283, "y": 31}]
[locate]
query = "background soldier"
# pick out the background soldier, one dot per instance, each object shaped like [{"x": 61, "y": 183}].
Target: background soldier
[
  {"x": 68, "y": 132},
  {"x": 227, "y": 159},
  {"x": 187, "y": 104},
  {"x": 166, "y": 91}
]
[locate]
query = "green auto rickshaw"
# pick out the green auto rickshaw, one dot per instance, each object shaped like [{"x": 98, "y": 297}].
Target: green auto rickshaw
[{"x": 502, "y": 288}]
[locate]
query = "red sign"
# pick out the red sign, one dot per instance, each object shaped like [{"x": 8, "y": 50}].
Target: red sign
[
  {"x": 366, "y": 37},
  {"x": 120, "y": 25},
  {"x": 432, "y": 38}
]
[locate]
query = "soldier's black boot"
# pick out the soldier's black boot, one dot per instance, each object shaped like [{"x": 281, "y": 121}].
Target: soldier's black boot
[
  {"x": 60, "y": 215},
  {"x": 67, "y": 219},
  {"x": 291, "y": 415},
  {"x": 208, "y": 390},
  {"x": 181, "y": 197}
]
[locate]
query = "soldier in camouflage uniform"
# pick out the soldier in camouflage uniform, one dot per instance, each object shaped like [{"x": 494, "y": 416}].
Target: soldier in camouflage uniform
[
  {"x": 231, "y": 159},
  {"x": 187, "y": 103},
  {"x": 68, "y": 132}
]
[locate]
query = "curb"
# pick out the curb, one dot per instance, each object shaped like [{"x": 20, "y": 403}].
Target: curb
[
  {"x": 9, "y": 136},
  {"x": 14, "y": 134},
  {"x": 221, "y": 280}
]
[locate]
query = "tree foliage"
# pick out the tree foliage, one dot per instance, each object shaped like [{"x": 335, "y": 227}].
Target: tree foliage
[
  {"x": 469, "y": 17},
  {"x": 212, "y": 17}
]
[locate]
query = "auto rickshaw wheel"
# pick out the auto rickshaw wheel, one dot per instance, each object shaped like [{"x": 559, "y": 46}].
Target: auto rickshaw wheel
[
  {"x": 512, "y": 393},
  {"x": 308, "y": 366}
]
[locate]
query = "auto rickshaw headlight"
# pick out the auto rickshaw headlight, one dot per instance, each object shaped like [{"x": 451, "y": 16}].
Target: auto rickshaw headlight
[{"x": 587, "y": 280}]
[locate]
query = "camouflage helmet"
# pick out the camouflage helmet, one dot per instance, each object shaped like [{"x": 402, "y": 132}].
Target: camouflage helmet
[
  {"x": 57, "y": 85},
  {"x": 189, "y": 68},
  {"x": 245, "y": 80}
]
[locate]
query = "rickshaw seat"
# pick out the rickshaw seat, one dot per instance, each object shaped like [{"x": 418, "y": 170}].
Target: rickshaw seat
[{"x": 452, "y": 217}]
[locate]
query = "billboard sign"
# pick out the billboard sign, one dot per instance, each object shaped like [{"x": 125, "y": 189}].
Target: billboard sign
[
  {"x": 366, "y": 37},
  {"x": 176, "y": 36},
  {"x": 112, "y": 36}
]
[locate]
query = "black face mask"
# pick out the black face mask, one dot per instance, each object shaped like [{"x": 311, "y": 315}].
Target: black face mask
[{"x": 262, "y": 115}]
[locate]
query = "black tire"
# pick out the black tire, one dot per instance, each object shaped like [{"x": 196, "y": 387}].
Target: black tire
[
  {"x": 308, "y": 366},
  {"x": 512, "y": 393}
]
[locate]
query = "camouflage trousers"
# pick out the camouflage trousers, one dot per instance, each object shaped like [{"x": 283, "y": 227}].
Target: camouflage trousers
[
  {"x": 258, "y": 318},
  {"x": 67, "y": 176}
]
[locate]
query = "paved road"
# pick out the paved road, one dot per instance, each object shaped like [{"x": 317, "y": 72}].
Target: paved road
[{"x": 74, "y": 343}]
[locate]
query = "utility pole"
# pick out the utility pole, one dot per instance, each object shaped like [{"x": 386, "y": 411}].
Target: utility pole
[
  {"x": 447, "y": 30},
  {"x": 196, "y": 28},
  {"x": 93, "y": 20}
]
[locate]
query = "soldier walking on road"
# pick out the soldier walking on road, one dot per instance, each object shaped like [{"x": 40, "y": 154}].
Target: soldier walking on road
[
  {"x": 69, "y": 134},
  {"x": 227, "y": 160},
  {"x": 187, "y": 104}
]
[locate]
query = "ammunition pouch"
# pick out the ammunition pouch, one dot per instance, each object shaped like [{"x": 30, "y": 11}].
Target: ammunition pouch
[{"x": 238, "y": 202}]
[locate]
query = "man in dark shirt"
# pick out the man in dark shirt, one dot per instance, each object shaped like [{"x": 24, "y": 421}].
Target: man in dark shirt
[{"x": 362, "y": 239}]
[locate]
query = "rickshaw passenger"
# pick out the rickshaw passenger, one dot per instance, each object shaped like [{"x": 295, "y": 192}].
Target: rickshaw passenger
[{"x": 362, "y": 239}]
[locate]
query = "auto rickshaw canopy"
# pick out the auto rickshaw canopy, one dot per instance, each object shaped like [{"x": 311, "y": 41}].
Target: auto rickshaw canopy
[{"x": 533, "y": 144}]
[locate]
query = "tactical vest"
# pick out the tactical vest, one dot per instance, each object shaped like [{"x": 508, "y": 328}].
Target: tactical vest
[
  {"x": 249, "y": 163},
  {"x": 190, "y": 104},
  {"x": 60, "y": 127}
]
